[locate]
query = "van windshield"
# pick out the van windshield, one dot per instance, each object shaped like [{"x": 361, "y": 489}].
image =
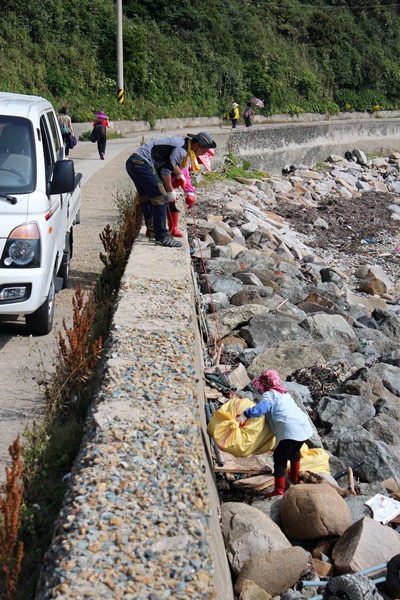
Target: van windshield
[{"x": 17, "y": 155}]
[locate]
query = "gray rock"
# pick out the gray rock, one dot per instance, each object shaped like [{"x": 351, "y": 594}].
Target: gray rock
[
  {"x": 248, "y": 279},
  {"x": 248, "y": 532},
  {"x": 287, "y": 358},
  {"x": 219, "y": 300},
  {"x": 354, "y": 444},
  {"x": 219, "y": 283},
  {"x": 270, "y": 330},
  {"x": 365, "y": 544},
  {"x": 221, "y": 266},
  {"x": 247, "y": 297},
  {"x": 384, "y": 428},
  {"x": 229, "y": 319},
  {"x": 389, "y": 323},
  {"x": 220, "y": 235},
  {"x": 358, "y": 508},
  {"x": 337, "y": 410},
  {"x": 275, "y": 571},
  {"x": 333, "y": 328},
  {"x": 389, "y": 375}
]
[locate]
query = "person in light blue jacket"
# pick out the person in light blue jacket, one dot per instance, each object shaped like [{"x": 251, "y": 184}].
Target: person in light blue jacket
[{"x": 290, "y": 425}]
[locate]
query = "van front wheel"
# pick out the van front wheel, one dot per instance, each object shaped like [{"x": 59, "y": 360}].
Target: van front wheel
[{"x": 41, "y": 321}]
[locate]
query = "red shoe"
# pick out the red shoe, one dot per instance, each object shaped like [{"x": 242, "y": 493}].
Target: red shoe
[
  {"x": 173, "y": 224},
  {"x": 294, "y": 471},
  {"x": 280, "y": 485}
]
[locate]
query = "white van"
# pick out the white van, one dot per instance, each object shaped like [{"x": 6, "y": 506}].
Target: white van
[{"x": 40, "y": 201}]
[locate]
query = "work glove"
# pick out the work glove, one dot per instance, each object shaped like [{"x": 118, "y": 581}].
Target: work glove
[
  {"x": 172, "y": 196},
  {"x": 181, "y": 180},
  {"x": 241, "y": 419}
]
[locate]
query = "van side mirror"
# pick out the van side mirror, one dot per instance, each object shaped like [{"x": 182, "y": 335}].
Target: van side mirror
[{"x": 63, "y": 178}]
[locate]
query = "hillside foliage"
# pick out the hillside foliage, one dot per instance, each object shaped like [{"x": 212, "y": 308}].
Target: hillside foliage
[{"x": 194, "y": 59}]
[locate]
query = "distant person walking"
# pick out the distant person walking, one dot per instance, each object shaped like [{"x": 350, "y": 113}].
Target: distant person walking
[
  {"x": 248, "y": 114},
  {"x": 99, "y": 132},
  {"x": 234, "y": 114},
  {"x": 64, "y": 119}
]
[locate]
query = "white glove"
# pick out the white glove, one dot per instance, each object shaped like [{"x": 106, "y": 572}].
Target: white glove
[
  {"x": 172, "y": 196},
  {"x": 242, "y": 419}
]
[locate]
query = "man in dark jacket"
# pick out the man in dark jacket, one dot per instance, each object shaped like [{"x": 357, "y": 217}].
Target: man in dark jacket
[{"x": 150, "y": 168}]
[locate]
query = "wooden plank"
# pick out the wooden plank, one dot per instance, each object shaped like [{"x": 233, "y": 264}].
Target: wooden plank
[
  {"x": 257, "y": 483},
  {"x": 214, "y": 394},
  {"x": 250, "y": 465}
]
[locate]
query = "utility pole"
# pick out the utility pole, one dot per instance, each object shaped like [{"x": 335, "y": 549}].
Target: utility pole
[{"x": 120, "y": 57}]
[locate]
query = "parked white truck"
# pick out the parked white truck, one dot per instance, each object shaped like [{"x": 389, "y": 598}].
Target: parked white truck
[{"x": 40, "y": 200}]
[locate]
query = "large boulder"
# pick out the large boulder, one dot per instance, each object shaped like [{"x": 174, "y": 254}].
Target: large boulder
[
  {"x": 286, "y": 358},
  {"x": 270, "y": 330},
  {"x": 248, "y": 532},
  {"x": 274, "y": 572},
  {"x": 354, "y": 444},
  {"x": 229, "y": 319},
  {"x": 384, "y": 428},
  {"x": 365, "y": 544},
  {"x": 313, "y": 511},
  {"x": 337, "y": 410},
  {"x": 332, "y": 328},
  {"x": 390, "y": 376},
  {"x": 364, "y": 382}
]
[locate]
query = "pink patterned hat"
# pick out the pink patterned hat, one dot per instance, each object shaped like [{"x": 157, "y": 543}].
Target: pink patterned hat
[{"x": 269, "y": 380}]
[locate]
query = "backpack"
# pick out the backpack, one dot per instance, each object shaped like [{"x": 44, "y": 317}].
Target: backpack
[
  {"x": 98, "y": 132},
  {"x": 65, "y": 130},
  {"x": 232, "y": 113},
  {"x": 246, "y": 113}
]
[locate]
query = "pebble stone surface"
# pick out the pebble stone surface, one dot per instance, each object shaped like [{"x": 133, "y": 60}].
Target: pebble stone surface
[{"x": 136, "y": 517}]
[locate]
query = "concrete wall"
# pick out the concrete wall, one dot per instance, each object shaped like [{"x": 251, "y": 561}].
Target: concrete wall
[
  {"x": 142, "y": 499},
  {"x": 271, "y": 147}
]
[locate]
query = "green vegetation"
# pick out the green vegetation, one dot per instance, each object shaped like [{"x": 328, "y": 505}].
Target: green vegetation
[{"x": 186, "y": 59}]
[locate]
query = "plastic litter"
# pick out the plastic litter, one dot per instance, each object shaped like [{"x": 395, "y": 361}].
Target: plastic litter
[{"x": 384, "y": 508}]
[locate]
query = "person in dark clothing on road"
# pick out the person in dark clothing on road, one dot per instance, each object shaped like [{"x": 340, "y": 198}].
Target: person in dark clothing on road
[
  {"x": 248, "y": 113},
  {"x": 151, "y": 166},
  {"x": 102, "y": 121}
]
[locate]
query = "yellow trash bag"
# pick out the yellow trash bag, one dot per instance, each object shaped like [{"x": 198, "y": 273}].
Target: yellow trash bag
[
  {"x": 315, "y": 460},
  {"x": 254, "y": 437}
]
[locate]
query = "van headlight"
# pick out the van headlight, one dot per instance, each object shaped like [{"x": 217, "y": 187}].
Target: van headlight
[{"x": 22, "y": 248}]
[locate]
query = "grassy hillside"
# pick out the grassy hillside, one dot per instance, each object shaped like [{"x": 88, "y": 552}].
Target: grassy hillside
[{"x": 193, "y": 59}]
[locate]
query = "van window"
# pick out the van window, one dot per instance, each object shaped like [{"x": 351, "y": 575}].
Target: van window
[
  {"x": 54, "y": 133},
  {"x": 17, "y": 155}
]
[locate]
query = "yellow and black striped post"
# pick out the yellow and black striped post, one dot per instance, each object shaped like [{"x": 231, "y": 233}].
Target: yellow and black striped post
[{"x": 121, "y": 96}]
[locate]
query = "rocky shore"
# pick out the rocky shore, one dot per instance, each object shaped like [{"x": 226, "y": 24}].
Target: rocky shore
[{"x": 301, "y": 276}]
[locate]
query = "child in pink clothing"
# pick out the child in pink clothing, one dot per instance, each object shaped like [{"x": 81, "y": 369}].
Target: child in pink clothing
[
  {"x": 190, "y": 197},
  {"x": 190, "y": 193}
]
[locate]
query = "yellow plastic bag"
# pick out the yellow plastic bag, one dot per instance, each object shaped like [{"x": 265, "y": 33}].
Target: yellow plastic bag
[
  {"x": 254, "y": 437},
  {"x": 315, "y": 460}
]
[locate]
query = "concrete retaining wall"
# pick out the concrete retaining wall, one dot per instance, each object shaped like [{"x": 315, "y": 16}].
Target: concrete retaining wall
[
  {"x": 271, "y": 147},
  {"x": 141, "y": 514}
]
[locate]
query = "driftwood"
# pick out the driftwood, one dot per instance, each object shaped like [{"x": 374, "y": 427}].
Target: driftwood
[
  {"x": 256, "y": 484},
  {"x": 249, "y": 465}
]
